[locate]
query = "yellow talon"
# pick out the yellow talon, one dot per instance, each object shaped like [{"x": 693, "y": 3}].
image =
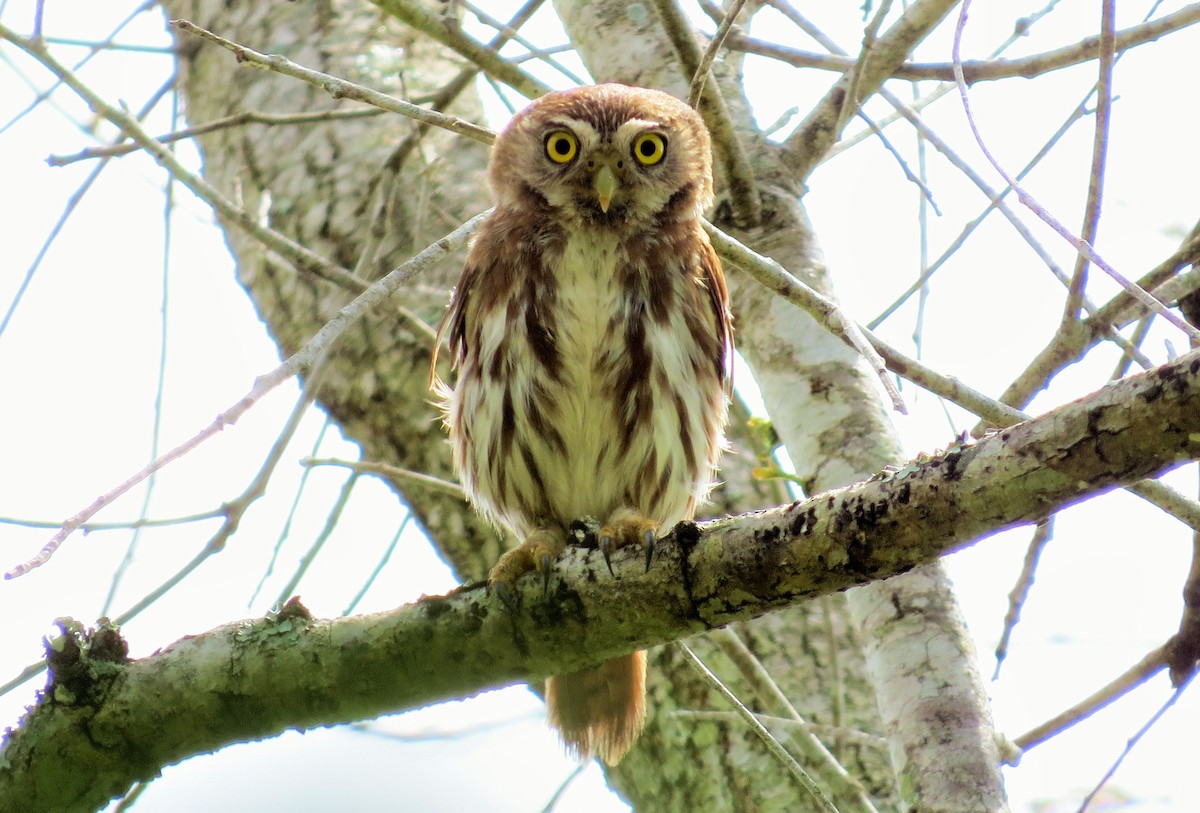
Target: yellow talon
[
  {"x": 538, "y": 552},
  {"x": 625, "y": 527}
]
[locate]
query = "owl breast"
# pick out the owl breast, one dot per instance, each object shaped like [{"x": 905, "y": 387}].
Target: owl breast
[{"x": 602, "y": 362}]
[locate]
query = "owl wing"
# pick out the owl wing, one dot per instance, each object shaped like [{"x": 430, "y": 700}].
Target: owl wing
[
  {"x": 712, "y": 276},
  {"x": 453, "y": 327},
  {"x": 478, "y": 273}
]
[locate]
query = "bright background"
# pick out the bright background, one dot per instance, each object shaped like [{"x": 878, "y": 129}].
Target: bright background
[{"x": 80, "y": 371}]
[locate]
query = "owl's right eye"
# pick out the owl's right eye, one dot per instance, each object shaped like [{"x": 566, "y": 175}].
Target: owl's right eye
[{"x": 561, "y": 146}]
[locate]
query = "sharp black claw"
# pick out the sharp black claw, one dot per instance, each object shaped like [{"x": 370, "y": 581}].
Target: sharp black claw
[
  {"x": 606, "y": 549},
  {"x": 507, "y": 597},
  {"x": 648, "y": 540}
]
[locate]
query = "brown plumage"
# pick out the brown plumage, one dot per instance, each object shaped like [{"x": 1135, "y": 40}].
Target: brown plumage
[{"x": 591, "y": 336}]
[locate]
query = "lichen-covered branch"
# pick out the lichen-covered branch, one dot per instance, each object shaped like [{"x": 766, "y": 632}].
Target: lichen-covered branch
[{"x": 105, "y": 724}]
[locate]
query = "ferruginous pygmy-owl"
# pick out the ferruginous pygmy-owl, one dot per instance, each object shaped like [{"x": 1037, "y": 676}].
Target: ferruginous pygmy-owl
[{"x": 591, "y": 335}]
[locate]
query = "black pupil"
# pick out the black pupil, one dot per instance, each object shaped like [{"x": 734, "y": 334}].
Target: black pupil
[
  {"x": 560, "y": 145},
  {"x": 648, "y": 147}
]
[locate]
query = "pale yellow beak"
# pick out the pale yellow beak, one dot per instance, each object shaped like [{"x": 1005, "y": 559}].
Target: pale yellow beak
[{"x": 605, "y": 184}]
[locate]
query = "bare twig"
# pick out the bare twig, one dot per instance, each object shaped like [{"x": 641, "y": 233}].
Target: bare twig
[
  {"x": 72, "y": 203},
  {"x": 341, "y": 88},
  {"x": 778, "y": 279},
  {"x": 1079, "y": 244},
  {"x": 1133, "y": 677},
  {"x": 299, "y": 362},
  {"x": 998, "y": 413},
  {"x": 700, "y": 75},
  {"x": 292, "y": 251},
  {"x": 777, "y": 750},
  {"x": 227, "y": 122},
  {"x": 1016, "y": 597},
  {"x": 452, "y": 37},
  {"x": 986, "y": 70},
  {"x": 805, "y": 147},
  {"x": 1132, "y": 742},
  {"x": 1091, "y": 216},
  {"x": 870, "y": 37},
  {"x": 310, "y": 555},
  {"x": 992, "y": 206},
  {"x": 47, "y": 93},
  {"x": 844, "y": 787},
  {"x": 739, "y": 176},
  {"x": 392, "y": 472},
  {"x": 1070, "y": 344},
  {"x": 508, "y": 31}
]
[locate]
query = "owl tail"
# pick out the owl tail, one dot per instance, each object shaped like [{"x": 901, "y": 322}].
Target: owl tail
[{"x": 600, "y": 711}]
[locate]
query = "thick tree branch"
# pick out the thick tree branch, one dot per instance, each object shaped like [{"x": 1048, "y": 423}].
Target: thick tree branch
[{"x": 106, "y": 724}]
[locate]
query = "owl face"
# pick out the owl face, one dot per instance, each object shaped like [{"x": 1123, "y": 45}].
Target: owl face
[{"x": 607, "y": 155}]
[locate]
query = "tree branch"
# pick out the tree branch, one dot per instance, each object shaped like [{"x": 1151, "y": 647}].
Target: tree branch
[
  {"x": 821, "y": 128},
  {"x": 1026, "y": 67},
  {"x": 104, "y": 724}
]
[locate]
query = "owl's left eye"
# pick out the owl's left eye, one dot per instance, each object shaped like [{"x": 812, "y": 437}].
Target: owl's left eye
[
  {"x": 561, "y": 146},
  {"x": 649, "y": 148}
]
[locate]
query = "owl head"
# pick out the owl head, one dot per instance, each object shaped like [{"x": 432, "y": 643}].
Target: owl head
[{"x": 605, "y": 155}]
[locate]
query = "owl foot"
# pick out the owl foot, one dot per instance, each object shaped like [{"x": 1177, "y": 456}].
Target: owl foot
[
  {"x": 537, "y": 552},
  {"x": 625, "y": 527}
]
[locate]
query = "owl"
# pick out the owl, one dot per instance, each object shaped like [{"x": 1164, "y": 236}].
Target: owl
[{"x": 591, "y": 339}]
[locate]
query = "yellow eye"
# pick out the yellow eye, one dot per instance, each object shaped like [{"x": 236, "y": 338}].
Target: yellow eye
[
  {"x": 649, "y": 148},
  {"x": 561, "y": 146}
]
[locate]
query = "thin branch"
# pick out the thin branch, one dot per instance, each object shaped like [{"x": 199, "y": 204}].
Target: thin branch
[
  {"x": 298, "y": 363},
  {"x": 700, "y": 75},
  {"x": 72, "y": 203},
  {"x": 999, "y": 413},
  {"x": 1070, "y": 344},
  {"x": 832, "y": 733},
  {"x": 394, "y": 473},
  {"x": 341, "y": 88},
  {"x": 1133, "y": 741},
  {"x": 1091, "y": 209},
  {"x": 854, "y": 75},
  {"x": 43, "y": 95},
  {"x": 992, "y": 206},
  {"x": 1079, "y": 244},
  {"x": 310, "y": 555},
  {"x": 236, "y": 120},
  {"x": 488, "y": 60},
  {"x": 987, "y": 70},
  {"x": 380, "y": 565},
  {"x": 286, "y": 529},
  {"x": 295, "y": 253},
  {"x": 845, "y": 788},
  {"x": 1042, "y": 533},
  {"x": 231, "y": 512},
  {"x": 778, "y": 279},
  {"x": 787, "y": 760},
  {"x": 159, "y": 377},
  {"x": 90, "y": 527},
  {"x": 739, "y": 175},
  {"x": 509, "y": 31},
  {"x": 807, "y": 145},
  {"x": 1133, "y": 677}
]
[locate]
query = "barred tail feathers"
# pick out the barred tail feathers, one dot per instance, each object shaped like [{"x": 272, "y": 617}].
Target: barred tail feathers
[{"x": 600, "y": 711}]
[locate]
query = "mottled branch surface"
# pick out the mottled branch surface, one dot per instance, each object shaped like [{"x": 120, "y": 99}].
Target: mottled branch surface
[{"x": 116, "y": 723}]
